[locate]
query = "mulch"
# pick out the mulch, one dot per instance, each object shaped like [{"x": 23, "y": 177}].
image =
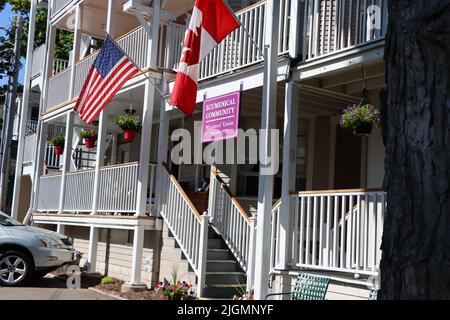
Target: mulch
[{"x": 115, "y": 289}]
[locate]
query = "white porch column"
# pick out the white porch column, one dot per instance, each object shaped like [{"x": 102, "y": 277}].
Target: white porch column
[
  {"x": 203, "y": 252},
  {"x": 24, "y": 110},
  {"x": 147, "y": 121},
  {"x": 76, "y": 48},
  {"x": 42, "y": 126},
  {"x": 268, "y": 122},
  {"x": 66, "y": 157},
  {"x": 101, "y": 141},
  {"x": 163, "y": 149},
  {"x": 289, "y": 174},
  {"x": 93, "y": 247},
  {"x": 136, "y": 260}
]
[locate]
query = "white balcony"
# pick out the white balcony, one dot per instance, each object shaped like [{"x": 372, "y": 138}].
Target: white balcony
[
  {"x": 134, "y": 44},
  {"x": 333, "y": 26}
]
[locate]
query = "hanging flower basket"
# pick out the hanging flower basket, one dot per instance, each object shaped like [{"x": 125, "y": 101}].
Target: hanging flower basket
[
  {"x": 361, "y": 119},
  {"x": 59, "y": 143},
  {"x": 129, "y": 124},
  {"x": 363, "y": 129},
  {"x": 89, "y": 136}
]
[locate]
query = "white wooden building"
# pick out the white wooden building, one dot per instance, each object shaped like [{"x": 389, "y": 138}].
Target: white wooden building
[{"x": 135, "y": 214}]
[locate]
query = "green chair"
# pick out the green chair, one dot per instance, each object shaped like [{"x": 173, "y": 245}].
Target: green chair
[{"x": 307, "y": 287}]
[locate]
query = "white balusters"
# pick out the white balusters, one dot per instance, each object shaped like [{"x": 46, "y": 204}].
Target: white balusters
[
  {"x": 79, "y": 191},
  {"x": 48, "y": 198},
  {"x": 185, "y": 223},
  {"x": 118, "y": 189},
  {"x": 238, "y": 50},
  {"x": 336, "y": 231},
  {"x": 336, "y": 25},
  {"x": 230, "y": 220}
]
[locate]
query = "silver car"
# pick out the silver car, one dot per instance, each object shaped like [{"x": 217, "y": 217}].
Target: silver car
[{"x": 28, "y": 252}]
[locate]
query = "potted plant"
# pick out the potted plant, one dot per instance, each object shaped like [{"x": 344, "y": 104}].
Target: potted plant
[
  {"x": 89, "y": 136},
  {"x": 361, "y": 119},
  {"x": 59, "y": 142},
  {"x": 129, "y": 125}
]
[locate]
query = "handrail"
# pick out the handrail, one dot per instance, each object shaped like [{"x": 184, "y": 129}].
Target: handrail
[
  {"x": 277, "y": 204},
  {"x": 183, "y": 193},
  {"x": 230, "y": 194},
  {"x": 59, "y": 73},
  {"x": 250, "y": 7},
  {"x": 321, "y": 192}
]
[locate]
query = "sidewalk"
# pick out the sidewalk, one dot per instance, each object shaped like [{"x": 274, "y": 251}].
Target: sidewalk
[{"x": 50, "y": 289}]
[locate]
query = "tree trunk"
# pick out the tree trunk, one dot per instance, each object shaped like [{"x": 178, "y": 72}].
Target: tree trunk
[{"x": 416, "y": 241}]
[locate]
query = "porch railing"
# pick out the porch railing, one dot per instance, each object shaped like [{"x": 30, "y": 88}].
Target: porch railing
[
  {"x": 335, "y": 25},
  {"x": 134, "y": 44},
  {"x": 48, "y": 198},
  {"x": 59, "y": 86},
  {"x": 59, "y": 65},
  {"x": 237, "y": 50},
  {"x": 336, "y": 231},
  {"x": 118, "y": 190},
  {"x": 31, "y": 127},
  {"x": 38, "y": 60},
  {"x": 231, "y": 221},
  {"x": 52, "y": 161},
  {"x": 79, "y": 191},
  {"x": 186, "y": 224},
  {"x": 58, "y": 5}
]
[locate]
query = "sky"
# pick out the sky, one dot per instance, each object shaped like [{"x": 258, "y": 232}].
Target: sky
[{"x": 5, "y": 20}]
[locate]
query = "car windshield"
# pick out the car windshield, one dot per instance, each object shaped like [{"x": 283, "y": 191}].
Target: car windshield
[{"x": 7, "y": 221}]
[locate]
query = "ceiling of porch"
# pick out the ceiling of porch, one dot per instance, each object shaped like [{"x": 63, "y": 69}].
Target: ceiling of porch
[{"x": 313, "y": 101}]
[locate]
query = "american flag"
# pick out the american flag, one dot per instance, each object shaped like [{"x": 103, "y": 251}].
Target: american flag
[{"x": 111, "y": 70}]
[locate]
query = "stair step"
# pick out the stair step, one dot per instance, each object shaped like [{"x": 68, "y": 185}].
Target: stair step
[
  {"x": 225, "y": 278},
  {"x": 221, "y": 266},
  {"x": 222, "y": 291},
  {"x": 218, "y": 254},
  {"x": 216, "y": 244}
]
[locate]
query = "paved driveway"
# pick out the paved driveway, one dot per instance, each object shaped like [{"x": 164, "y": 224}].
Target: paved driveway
[{"x": 49, "y": 289}]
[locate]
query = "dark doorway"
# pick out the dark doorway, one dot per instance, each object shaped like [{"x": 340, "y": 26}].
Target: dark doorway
[{"x": 348, "y": 160}]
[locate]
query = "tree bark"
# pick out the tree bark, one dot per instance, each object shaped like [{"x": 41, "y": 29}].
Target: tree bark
[{"x": 416, "y": 241}]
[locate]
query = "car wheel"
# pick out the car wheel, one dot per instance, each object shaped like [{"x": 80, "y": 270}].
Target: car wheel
[{"x": 15, "y": 269}]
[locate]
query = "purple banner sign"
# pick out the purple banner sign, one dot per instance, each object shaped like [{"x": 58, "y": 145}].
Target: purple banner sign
[{"x": 221, "y": 117}]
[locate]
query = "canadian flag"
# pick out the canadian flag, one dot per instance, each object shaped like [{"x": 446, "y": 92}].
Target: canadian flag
[{"x": 211, "y": 22}]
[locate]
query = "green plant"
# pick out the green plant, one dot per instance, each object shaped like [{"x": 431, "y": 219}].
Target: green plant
[
  {"x": 59, "y": 141},
  {"x": 126, "y": 122},
  {"x": 107, "y": 280},
  {"x": 243, "y": 294},
  {"x": 356, "y": 116},
  {"x": 176, "y": 290},
  {"x": 88, "y": 134}
]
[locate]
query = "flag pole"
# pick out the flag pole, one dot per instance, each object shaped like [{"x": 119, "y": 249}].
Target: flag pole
[
  {"x": 141, "y": 71},
  {"x": 245, "y": 29}
]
